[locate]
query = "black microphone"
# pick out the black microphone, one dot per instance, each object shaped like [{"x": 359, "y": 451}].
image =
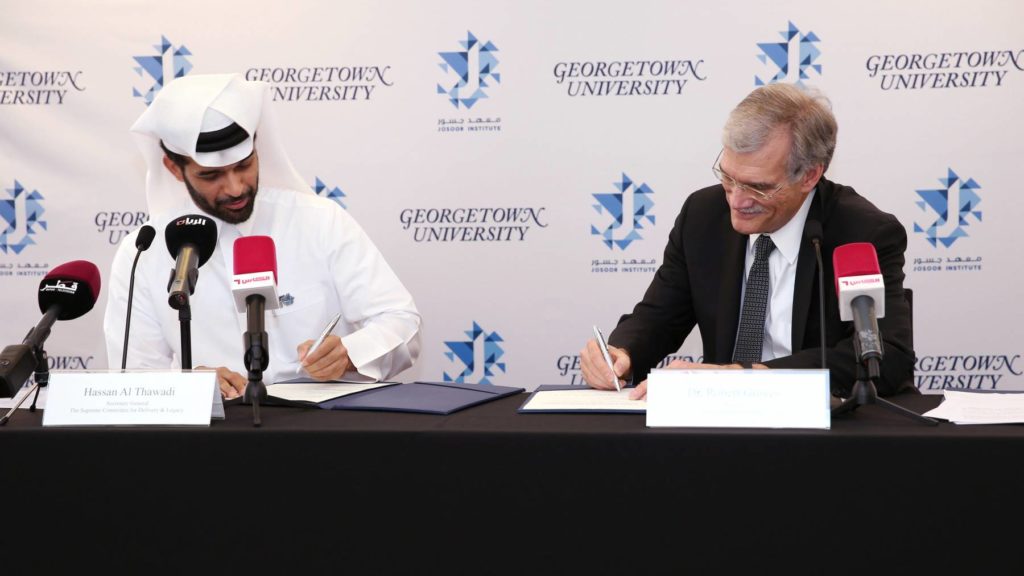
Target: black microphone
[
  {"x": 812, "y": 231},
  {"x": 142, "y": 243},
  {"x": 191, "y": 240},
  {"x": 67, "y": 292}
]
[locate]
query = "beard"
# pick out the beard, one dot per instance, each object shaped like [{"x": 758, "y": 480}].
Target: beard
[{"x": 219, "y": 209}]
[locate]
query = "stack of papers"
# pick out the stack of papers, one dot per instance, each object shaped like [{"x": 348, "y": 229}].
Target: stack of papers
[
  {"x": 422, "y": 397},
  {"x": 980, "y": 408}
]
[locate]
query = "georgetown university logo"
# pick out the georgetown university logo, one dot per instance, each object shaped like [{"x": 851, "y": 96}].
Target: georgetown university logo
[
  {"x": 479, "y": 355},
  {"x": 942, "y": 70},
  {"x": 322, "y": 83},
  {"x": 21, "y": 214},
  {"x": 117, "y": 224},
  {"x": 791, "y": 60},
  {"x": 967, "y": 371},
  {"x": 954, "y": 205},
  {"x": 470, "y": 71},
  {"x": 629, "y": 207},
  {"x": 326, "y": 191},
  {"x": 38, "y": 87},
  {"x": 168, "y": 63},
  {"x": 665, "y": 77}
]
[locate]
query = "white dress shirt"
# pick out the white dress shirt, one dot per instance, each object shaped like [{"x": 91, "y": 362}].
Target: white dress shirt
[
  {"x": 778, "y": 323},
  {"x": 326, "y": 264}
]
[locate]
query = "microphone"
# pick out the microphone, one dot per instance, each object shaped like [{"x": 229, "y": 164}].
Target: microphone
[
  {"x": 254, "y": 287},
  {"x": 255, "y": 271},
  {"x": 145, "y": 238},
  {"x": 191, "y": 240},
  {"x": 142, "y": 243},
  {"x": 812, "y": 232},
  {"x": 861, "y": 292},
  {"x": 67, "y": 292}
]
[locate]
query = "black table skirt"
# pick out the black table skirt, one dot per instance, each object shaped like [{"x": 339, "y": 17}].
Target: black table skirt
[{"x": 487, "y": 490}]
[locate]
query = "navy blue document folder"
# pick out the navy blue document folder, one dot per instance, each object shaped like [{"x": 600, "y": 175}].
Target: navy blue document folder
[{"x": 424, "y": 397}]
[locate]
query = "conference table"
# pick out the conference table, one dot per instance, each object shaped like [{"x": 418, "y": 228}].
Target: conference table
[{"x": 488, "y": 490}]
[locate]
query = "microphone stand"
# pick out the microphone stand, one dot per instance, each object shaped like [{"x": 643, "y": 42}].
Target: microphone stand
[
  {"x": 128, "y": 321},
  {"x": 42, "y": 378},
  {"x": 181, "y": 303},
  {"x": 256, "y": 356},
  {"x": 821, "y": 299},
  {"x": 865, "y": 392},
  {"x": 185, "y": 319}
]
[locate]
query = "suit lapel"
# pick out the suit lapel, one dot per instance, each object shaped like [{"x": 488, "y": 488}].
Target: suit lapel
[{"x": 806, "y": 270}]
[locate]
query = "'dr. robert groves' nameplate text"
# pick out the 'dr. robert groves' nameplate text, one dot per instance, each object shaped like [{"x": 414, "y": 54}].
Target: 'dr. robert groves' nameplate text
[
  {"x": 130, "y": 399},
  {"x": 739, "y": 398}
]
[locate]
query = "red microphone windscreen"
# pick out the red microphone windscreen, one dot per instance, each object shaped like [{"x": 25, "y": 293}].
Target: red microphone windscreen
[
  {"x": 255, "y": 254},
  {"x": 74, "y": 286},
  {"x": 855, "y": 259}
]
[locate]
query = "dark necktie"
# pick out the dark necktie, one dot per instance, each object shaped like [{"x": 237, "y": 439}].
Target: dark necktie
[{"x": 755, "y": 302}]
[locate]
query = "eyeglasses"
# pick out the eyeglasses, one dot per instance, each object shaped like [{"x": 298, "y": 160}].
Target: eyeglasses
[{"x": 732, "y": 184}]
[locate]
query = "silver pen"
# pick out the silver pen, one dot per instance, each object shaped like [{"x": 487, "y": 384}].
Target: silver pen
[
  {"x": 607, "y": 357},
  {"x": 323, "y": 335}
]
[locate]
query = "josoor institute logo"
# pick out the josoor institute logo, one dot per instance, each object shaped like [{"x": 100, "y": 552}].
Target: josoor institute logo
[
  {"x": 792, "y": 59},
  {"x": 629, "y": 208},
  {"x": 168, "y": 63},
  {"x": 22, "y": 214},
  {"x": 954, "y": 205},
  {"x": 472, "y": 69},
  {"x": 326, "y": 191},
  {"x": 479, "y": 355}
]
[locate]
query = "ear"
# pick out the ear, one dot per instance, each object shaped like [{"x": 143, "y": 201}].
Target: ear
[
  {"x": 173, "y": 169},
  {"x": 811, "y": 177}
]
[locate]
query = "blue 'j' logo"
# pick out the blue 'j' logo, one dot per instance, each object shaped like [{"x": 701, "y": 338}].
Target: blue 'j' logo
[
  {"x": 158, "y": 69},
  {"x": 470, "y": 72},
  {"x": 477, "y": 356},
  {"x": 629, "y": 207},
  {"x": 328, "y": 192},
  {"x": 20, "y": 218},
  {"x": 792, "y": 60},
  {"x": 954, "y": 205}
]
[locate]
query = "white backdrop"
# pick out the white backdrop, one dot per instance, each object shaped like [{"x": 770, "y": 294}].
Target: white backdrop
[{"x": 574, "y": 95}]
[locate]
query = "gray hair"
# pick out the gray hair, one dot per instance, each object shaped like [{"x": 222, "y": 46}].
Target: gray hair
[{"x": 806, "y": 112}]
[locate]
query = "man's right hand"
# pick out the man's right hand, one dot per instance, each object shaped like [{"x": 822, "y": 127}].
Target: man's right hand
[
  {"x": 231, "y": 383},
  {"x": 595, "y": 370}
]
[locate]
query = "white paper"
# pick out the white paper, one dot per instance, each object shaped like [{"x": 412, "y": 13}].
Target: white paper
[
  {"x": 739, "y": 398},
  {"x": 584, "y": 399},
  {"x": 980, "y": 408},
  {"x": 319, "y": 391}
]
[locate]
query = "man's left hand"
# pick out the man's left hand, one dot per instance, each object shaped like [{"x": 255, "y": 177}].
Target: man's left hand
[
  {"x": 329, "y": 361},
  {"x": 640, "y": 392},
  {"x": 681, "y": 364}
]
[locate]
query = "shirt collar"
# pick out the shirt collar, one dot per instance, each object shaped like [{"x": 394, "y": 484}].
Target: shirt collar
[{"x": 787, "y": 239}]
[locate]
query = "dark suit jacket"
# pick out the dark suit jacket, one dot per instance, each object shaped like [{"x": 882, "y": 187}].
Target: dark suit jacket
[{"x": 700, "y": 283}]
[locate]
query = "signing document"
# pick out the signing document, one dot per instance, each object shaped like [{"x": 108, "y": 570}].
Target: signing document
[
  {"x": 305, "y": 390},
  {"x": 980, "y": 408},
  {"x": 581, "y": 399}
]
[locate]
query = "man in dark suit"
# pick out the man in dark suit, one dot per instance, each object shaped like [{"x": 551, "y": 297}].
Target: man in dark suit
[{"x": 740, "y": 263}]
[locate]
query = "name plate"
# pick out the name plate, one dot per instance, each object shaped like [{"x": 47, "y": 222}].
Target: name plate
[
  {"x": 739, "y": 398},
  {"x": 158, "y": 398}
]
